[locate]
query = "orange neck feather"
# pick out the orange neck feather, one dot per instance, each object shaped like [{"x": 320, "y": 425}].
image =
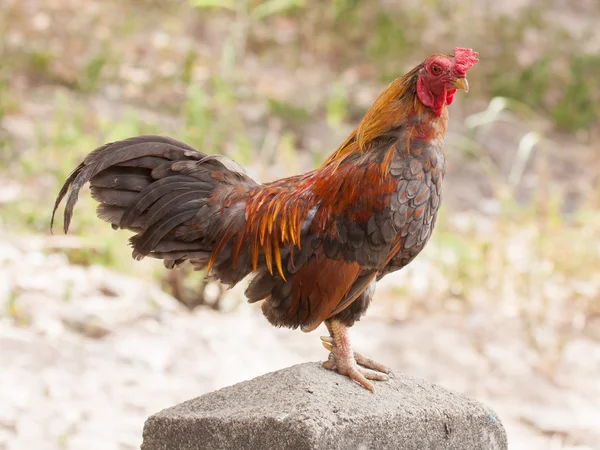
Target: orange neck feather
[{"x": 394, "y": 106}]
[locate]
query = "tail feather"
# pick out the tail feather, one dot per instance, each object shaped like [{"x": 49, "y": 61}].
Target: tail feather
[
  {"x": 113, "y": 197},
  {"x": 169, "y": 246},
  {"x": 116, "y": 153},
  {"x": 145, "y": 162},
  {"x": 173, "y": 258},
  {"x": 178, "y": 201},
  {"x": 144, "y": 243},
  {"x": 140, "y": 146},
  {"x": 112, "y": 214},
  {"x": 149, "y": 196},
  {"x": 71, "y": 200},
  {"x": 165, "y": 205},
  {"x": 126, "y": 178}
]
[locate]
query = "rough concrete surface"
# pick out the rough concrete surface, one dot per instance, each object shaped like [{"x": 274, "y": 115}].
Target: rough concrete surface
[{"x": 308, "y": 407}]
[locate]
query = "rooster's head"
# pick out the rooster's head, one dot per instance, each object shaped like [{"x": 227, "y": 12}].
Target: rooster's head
[{"x": 441, "y": 75}]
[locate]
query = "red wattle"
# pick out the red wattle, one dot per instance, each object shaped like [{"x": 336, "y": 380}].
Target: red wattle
[
  {"x": 450, "y": 96},
  {"x": 435, "y": 102}
]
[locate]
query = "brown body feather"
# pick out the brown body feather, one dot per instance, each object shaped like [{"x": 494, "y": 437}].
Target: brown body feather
[{"x": 316, "y": 242}]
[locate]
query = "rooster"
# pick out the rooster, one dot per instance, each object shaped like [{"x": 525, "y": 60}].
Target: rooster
[{"x": 314, "y": 244}]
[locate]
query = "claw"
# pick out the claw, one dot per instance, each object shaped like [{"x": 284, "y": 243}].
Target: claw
[
  {"x": 327, "y": 345},
  {"x": 327, "y": 342}
]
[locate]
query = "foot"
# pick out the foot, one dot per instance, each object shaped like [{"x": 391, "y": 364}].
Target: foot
[{"x": 354, "y": 365}]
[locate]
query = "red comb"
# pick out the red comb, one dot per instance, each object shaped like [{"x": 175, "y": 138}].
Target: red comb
[{"x": 465, "y": 59}]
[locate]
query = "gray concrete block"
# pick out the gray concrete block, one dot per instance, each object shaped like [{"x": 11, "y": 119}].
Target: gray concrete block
[{"x": 307, "y": 407}]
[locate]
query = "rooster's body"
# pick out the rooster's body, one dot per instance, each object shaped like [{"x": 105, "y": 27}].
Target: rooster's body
[{"x": 315, "y": 243}]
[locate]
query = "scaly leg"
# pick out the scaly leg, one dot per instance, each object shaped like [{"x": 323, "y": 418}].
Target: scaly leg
[{"x": 352, "y": 364}]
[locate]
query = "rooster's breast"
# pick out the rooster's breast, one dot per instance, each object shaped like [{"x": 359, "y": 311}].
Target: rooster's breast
[{"x": 415, "y": 203}]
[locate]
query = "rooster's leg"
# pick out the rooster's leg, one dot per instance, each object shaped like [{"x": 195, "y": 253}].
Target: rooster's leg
[{"x": 353, "y": 365}]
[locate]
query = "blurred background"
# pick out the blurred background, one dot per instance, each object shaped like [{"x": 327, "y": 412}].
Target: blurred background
[{"x": 503, "y": 305}]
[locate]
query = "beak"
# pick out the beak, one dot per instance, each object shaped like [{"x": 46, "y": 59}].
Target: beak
[{"x": 462, "y": 83}]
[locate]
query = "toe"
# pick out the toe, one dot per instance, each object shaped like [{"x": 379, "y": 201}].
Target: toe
[
  {"x": 356, "y": 375},
  {"x": 361, "y": 376},
  {"x": 370, "y": 364},
  {"x": 330, "y": 363},
  {"x": 372, "y": 375}
]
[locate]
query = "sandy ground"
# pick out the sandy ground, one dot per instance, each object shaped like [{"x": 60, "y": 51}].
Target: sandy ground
[{"x": 88, "y": 354}]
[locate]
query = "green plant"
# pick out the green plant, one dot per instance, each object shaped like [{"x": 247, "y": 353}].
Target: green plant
[
  {"x": 579, "y": 106},
  {"x": 247, "y": 14}
]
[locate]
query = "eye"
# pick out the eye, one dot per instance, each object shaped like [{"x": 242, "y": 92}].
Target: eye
[{"x": 436, "y": 70}]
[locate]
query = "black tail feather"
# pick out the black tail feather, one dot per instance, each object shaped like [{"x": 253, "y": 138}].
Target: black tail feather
[
  {"x": 176, "y": 200},
  {"x": 131, "y": 152}
]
